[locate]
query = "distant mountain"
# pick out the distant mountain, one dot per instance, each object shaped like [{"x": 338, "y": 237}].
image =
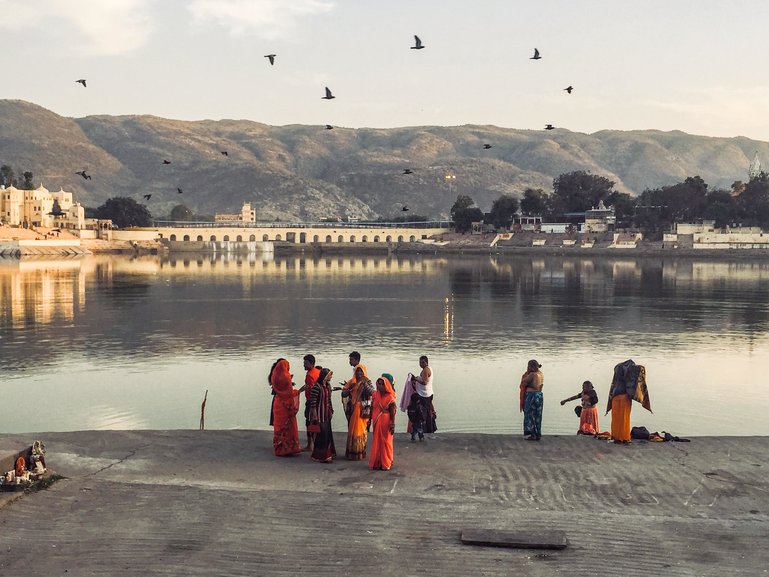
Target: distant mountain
[{"x": 309, "y": 172}]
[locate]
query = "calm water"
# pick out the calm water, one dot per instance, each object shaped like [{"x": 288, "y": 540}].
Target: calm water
[{"x": 110, "y": 342}]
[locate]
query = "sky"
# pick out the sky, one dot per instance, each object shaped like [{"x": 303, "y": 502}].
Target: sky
[{"x": 691, "y": 65}]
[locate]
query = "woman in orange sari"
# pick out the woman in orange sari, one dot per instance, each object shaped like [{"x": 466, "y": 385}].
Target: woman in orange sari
[
  {"x": 357, "y": 394},
  {"x": 382, "y": 425},
  {"x": 285, "y": 438}
]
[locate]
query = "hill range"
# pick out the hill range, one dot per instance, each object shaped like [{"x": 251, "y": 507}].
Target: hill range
[{"x": 301, "y": 172}]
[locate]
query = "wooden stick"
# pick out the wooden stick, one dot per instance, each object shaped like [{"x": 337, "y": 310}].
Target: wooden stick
[{"x": 203, "y": 412}]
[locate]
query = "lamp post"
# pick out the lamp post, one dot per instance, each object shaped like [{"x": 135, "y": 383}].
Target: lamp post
[{"x": 450, "y": 178}]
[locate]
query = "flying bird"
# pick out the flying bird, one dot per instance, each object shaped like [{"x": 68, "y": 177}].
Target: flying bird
[
  {"x": 84, "y": 174},
  {"x": 549, "y": 127},
  {"x": 329, "y": 127},
  {"x": 225, "y": 153},
  {"x": 179, "y": 190},
  {"x": 147, "y": 196},
  {"x": 271, "y": 57},
  {"x": 536, "y": 55},
  {"x": 408, "y": 171},
  {"x": 417, "y": 43},
  {"x": 81, "y": 81},
  {"x": 328, "y": 95},
  {"x": 166, "y": 162},
  {"x": 486, "y": 146},
  {"x": 405, "y": 209},
  {"x": 569, "y": 89}
]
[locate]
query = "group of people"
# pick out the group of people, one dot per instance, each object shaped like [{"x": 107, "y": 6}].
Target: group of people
[
  {"x": 371, "y": 408},
  {"x": 368, "y": 408},
  {"x": 628, "y": 384}
]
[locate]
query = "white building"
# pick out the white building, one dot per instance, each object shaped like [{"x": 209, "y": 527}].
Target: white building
[
  {"x": 35, "y": 207},
  {"x": 247, "y": 214}
]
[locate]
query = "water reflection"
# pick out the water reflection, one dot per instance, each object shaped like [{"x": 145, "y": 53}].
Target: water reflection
[{"x": 107, "y": 337}]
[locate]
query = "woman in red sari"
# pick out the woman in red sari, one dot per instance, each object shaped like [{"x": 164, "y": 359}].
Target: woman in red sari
[
  {"x": 383, "y": 425},
  {"x": 285, "y": 438}
]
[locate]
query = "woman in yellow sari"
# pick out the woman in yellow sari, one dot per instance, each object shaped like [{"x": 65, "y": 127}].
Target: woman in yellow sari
[
  {"x": 382, "y": 425},
  {"x": 356, "y": 394}
]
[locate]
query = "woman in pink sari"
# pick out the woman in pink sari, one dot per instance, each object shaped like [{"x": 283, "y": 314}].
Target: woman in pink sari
[
  {"x": 285, "y": 438},
  {"x": 383, "y": 425}
]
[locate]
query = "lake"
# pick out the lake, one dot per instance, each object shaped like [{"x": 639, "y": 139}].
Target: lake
[{"x": 114, "y": 342}]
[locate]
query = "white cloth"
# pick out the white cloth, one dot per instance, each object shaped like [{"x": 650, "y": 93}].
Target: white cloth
[{"x": 425, "y": 389}]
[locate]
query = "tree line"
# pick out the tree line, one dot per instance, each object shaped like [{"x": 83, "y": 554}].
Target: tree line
[{"x": 653, "y": 212}]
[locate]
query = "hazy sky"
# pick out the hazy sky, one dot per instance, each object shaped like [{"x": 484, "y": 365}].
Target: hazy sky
[{"x": 692, "y": 65}]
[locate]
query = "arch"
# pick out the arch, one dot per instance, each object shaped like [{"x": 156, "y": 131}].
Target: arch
[
  {"x": 364, "y": 239},
  {"x": 277, "y": 237},
  {"x": 352, "y": 238},
  {"x": 172, "y": 237},
  {"x": 200, "y": 238},
  {"x": 412, "y": 238},
  {"x": 213, "y": 238},
  {"x": 328, "y": 238},
  {"x": 239, "y": 238},
  {"x": 226, "y": 238},
  {"x": 265, "y": 237},
  {"x": 315, "y": 238},
  {"x": 302, "y": 237},
  {"x": 340, "y": 239},
  {"x": 252, "y": 238},
  {"x": 389, "y": 238},
  {"x": 187, "y": 239},
  {"x": 400, "y": 238},
  {"x": 376, "y": 238}
]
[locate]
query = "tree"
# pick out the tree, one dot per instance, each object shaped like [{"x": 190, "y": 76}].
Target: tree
[
  {"x": 27, "y": 183},
  {"x": 181, "y": 213},
  {"x": 502, "y": 211},
  {"x": 753, "y": 203},
  {"x": 624, "y": 208},
  {"x": 7, "y": 177},
  {"x": 463, "y": 213},
  {"x": 534, "y": 202},
  {"x": 579, "y": 191},
  {"x": 721, "y": 207},
  {"x": 124, "y": 212}
]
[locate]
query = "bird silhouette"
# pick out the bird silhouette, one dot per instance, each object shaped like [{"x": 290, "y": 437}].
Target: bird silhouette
[
  {"x": 486, "y": 146},
  {"x": 147, "y": 196},
  {"x": 225, "y": 153},
  {"x": 329, "y": 127},
  {"x": 569, "y": 89},
  {"x": 536, "y": 55},
  {"x": 408, "y": 171},
  {"x": 179, "y": 190},
  {"x": 81, "y": 81},
  {"x": 549, "y": 127},
  {"x": 166, "y": 162},
  {"x": 328, "y": 95},
  {"x": 417, "y": 43},
  {"x": 84, "y": 174},
  {"x": 271, "y": 57},
  {"x": 405, "y": 209}
]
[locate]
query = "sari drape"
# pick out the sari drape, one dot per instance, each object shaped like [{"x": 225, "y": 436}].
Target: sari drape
[
  {"x": 588, "y": 421},
  {"x": 620, "y": 417},
  {"x": 382, "y": 416},
  {"x": 320, "y": 406},
  {"x": 285, "y": 437},
  {"x": 357, "y": 428}
]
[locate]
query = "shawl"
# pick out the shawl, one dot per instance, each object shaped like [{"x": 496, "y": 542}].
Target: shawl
[
  {"x": 381, "y": 401},
  {"x": 408, "y": 390},
  {"x": 630, "y": 379}
]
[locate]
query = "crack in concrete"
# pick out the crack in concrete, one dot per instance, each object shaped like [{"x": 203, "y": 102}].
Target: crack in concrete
[{"x": 118, "y": 462}]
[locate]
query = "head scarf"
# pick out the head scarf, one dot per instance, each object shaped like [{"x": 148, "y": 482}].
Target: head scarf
[
  {"x": 281, "y": 378},
  {"x": 322, "y": 376},
  {"x": 390, "y": 378},
  {"x": 362, "y": 367},
  {"x": 387, "y": 396}
]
